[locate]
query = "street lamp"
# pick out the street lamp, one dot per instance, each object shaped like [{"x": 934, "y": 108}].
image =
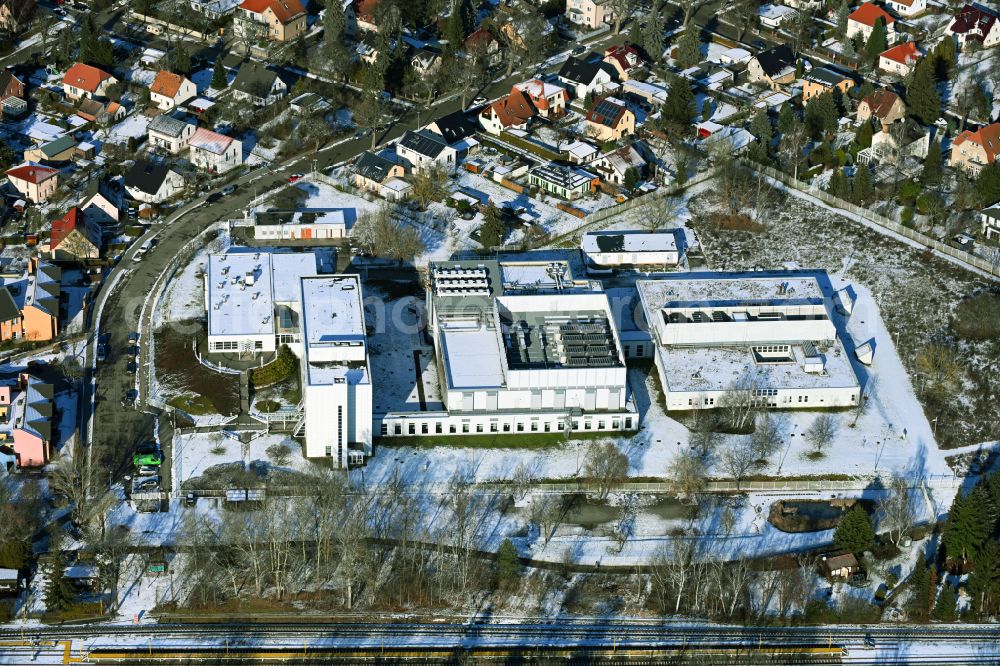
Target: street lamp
[{"x": 934, "y": 421}]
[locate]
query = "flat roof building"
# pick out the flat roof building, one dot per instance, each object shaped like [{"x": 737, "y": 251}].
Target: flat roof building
[
  {"x": 522, "y": 346},
  {"x": 258, "y": 301},
  {"x": 620, "y": 249},
  {"x": 768, "y": 333}
]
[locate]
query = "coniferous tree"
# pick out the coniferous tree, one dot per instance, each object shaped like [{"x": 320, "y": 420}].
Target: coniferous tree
[
  {"x": 863, "y": 188},
  {"x": 843, "y": 11},
  {"x": 854, "y": 532},
  {"x": 863, "y": 136},
  {"x": 919, "y": 605},
  {"x": 968, "y": 525},
  {"x": 508, "y": 564},
  {"x": 679, "y": 107},
  {"x": 219, "y": 80},
  {"x": 760, "y": 127},
  {"x": 945, "y": 58},
  {"x": 984, "y": 582},
  {"x": 334, "y": 46},
  {"x": 945, "y": 610},
  {"x": 492, "y": 231},
  {"x": 877, "y": 41},
  {"x": 840, "y": 184},
  {"x": 932, "y": 164},
  {"x": 922, "y": 95},
  {"x": 786, "y": 119},
  {"x": 57, "y": 593},
  {"x": 821, "y": 115},
  {"x": 987, "y": 185},
  {"x": 689, "y": 48}
]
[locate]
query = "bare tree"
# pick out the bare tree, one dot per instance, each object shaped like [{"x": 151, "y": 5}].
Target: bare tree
[
  {"x": 658, "y": 212},
  {"x": 546, "y": 512},
  {"x": 625, "y": 525},
  {"x": 742, "y": 15},
  {"x": 895, "y": 510},
  {"x": 792, "y": 144},
  {"x": 621, "y": 10},
  {"x": 739, "y": 404},
  {"x": 606, "y": 464},
  {"x": 428, "y": 185},
  {"x": 689, "y": 7},
  {"x": 822, "y": 432},
  {"x": 110, "y": 553},
  {"x": 702, "y": 435},
  {"x": 687, "y": 473},
  {"x": 766, "y": 437},
  {"x": 739, "y": 459},
  {"x": 871, "y": 386},
  {"x": 66, "y": 479}
]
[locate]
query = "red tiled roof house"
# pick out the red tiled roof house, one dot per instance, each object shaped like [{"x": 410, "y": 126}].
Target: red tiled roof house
[
  {"x": 34, "y": 182},
  {"x": 82, "y": 80},
  {"x": 277, "y": 20},
  {"x": 972, "y": 151},
  {"x": 975, "y": 25},
  {"x": 862, "y": 21},
  {"x": 73, "y": 237},
  {"x": 511, "y": 112},
  {"x": 900, "y": 59},
  {"x": 169, "y": 90}
]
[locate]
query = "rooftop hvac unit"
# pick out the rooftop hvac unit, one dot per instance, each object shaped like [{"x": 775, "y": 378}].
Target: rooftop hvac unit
[
  {"x": 348, "y": 286},
  {"x": 249, "y": 279}
]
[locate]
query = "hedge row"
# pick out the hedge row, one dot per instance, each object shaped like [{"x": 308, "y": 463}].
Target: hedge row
[{"x": 277, "y": 370}]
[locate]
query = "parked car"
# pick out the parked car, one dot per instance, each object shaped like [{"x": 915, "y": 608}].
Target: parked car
[
  {"x": 296, "y": 176},
  {"x": 228, "y": 189},
  {"x": 102, "y": 353},
  {"x": 213, "y": 197},
  {"x": 133, "y": 337},
  {"x": 132, "y": 367},
  {"x": 579, "y": 49},
  {"x": 145, "y": 484},
  {"x": 479, "y": 101},
  {"x": 147, "y": 454},
  {"x": 148, "y": 470},
  {"x": 131, "y": 396}
]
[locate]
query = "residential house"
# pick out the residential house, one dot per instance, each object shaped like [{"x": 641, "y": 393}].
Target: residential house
[
  {"x": 900, "y": 59},
  {"x": 453, "y": 127},
  {"x": 883, "y": 105},
  {"x": 613, "y": 166},
  {"x": 17, "y": 15},
  {"x": 975, "y": 25},
  {"x": 424, "y": 149},
  {"x": 625, "y": 59},
  {"x": 29, "y": 306},
  {"x": 511, "y": 112},
  {"x": 309, "y": 102},
  {"x": 57, "y": 150},
  {"x": 101, "y": 112},
  {"x": 152, "y": 183},
  {"x": 548, "y": 99},
  {"x": 566, "y": 182},
  {"x": 907, "y": 8},
  {"x": 73, "y": 237},
  {"x": 589, "y": 14},
  {"x": 423, "y": 60},
  {"x": 862, "y": 21},
  {"x": 34, "y": 182},
  {"x": 380, "y": 175},
  {"x": 481, "y": 43},
  {"x": 364, "y": 15},
  {"x": 102, "y": 203},
  {"x": 586, "y": 78},
  {"x": 839, "y": 565},
  {"x": 972, "y": 151},
  {"x": 579, "y": 152},
  {"x": 83, "y": 81},
  {"x": 609, "y": 120},
  {"x": 170, "y": 90},
  {"x": 258, "y": 84},
  {"x": 990, "y": 219},
  {"x": 773, "y": 67},
  {"x": 10, "y": 85},
  {"x": 825, "y": 79},
  {"x": 215, "y": 9},
  {"x": 169, "y": 133},
  {"x": 12, "y": 100},
  {"x": 214, "y": 152},
  {"x": 775, "y": 16},
  {"x": 32, "y": 413},
  {"x": 275, "y": 20},
  {"x": 892, "y": 144}
]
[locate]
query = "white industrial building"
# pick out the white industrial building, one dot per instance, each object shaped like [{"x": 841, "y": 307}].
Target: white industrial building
[
  {"x": 336, "y": 381},
  {"x": 631, "y": 249},
  {"x": 521, "y": 347},
  {"x": 258, "y": 301},
  {"x": 768, "y": 333}
]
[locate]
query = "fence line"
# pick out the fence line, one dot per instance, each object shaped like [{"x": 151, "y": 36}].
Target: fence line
[{"x": 933, "y": 244}]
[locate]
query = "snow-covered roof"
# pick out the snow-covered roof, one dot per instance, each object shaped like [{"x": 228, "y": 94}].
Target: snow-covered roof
[
  {"x": 578, "y": 149},
  {"x": 775, "y": 12},
  {"x": 629, "y": 241},
  {"x": 213, "y": 142},
  {"x": 473, "y": 358},
  {"x": 333, "y": 328},
  {"x": 287, "y": 270},
  {"x": 240, "y": 298},
  {"x": 711, "y": 288}
]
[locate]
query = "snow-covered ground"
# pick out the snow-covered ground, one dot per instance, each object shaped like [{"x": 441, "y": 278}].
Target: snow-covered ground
[{"x": 196, "y": 452}]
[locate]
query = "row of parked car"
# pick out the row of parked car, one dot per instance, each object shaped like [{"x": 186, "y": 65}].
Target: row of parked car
[{"x": 147, "y": 459}]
